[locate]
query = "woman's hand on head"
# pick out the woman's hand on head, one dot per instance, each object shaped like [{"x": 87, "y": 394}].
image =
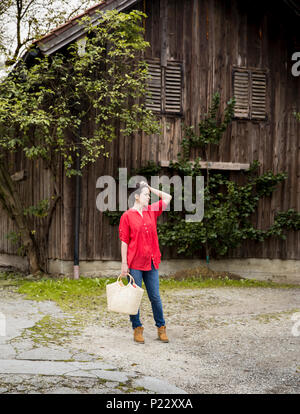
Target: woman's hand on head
[{"x": 144, "y": 183}]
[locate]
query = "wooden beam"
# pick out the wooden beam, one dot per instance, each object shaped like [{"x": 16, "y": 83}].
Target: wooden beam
[{"x": 215, "y": 165}]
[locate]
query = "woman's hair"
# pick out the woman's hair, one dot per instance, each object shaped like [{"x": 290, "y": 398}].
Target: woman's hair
[{"x": 136, "y": 191}]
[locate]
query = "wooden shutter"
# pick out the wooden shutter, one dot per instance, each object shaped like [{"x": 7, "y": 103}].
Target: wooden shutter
[
  {"x": 258, "y": 92},
  {"x": 173, "y": 87},
  {"x": 153, "y": 99},
  {"x": 241, "y": 94}
]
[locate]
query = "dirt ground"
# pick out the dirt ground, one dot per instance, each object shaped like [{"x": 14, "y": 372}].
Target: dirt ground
[{"x": 222, "y": 340}]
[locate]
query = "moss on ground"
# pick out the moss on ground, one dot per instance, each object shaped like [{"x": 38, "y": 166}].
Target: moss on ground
[
  {"x": 128, "y": 388},
  {"x": 50, "y": 330},
  {"x": 270, "y": 317}
]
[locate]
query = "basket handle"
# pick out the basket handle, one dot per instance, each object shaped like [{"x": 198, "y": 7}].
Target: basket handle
[{"x": 131, "y": 279}]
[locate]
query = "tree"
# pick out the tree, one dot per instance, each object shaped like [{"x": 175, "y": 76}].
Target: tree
[
  {"x": 22, "y": 21},
  {"x": 43, "y": 107}
]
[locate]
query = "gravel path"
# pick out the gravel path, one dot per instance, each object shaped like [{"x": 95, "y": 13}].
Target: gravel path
[{"x": 222, "y": 340}]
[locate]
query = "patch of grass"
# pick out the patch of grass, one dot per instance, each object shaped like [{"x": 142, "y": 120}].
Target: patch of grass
[
  {"x": 214, "y": 282},
  {"x": 89, "y": 294},
  {"x": 83, "y": 293},
  {"x": 86, "y": 293}
]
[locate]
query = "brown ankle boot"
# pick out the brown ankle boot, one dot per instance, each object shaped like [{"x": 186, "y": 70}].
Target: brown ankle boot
[
  {"x": 162, "y": 336},
  {"x": 138, "y": 335}
]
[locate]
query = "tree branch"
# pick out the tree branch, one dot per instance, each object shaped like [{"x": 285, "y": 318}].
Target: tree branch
[{"x": 27, "y": 7}]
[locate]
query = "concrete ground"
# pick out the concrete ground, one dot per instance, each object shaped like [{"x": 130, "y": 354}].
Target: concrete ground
[
  {"x": 32, "y": 363},
  {"x": 222, "y": 340}
]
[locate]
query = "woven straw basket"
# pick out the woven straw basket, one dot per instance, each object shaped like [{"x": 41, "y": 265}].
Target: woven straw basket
[{"x": 124, "y": 298}]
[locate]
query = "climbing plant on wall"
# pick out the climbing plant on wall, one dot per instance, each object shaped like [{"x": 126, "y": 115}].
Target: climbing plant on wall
[{"x": 228, "y": 206}]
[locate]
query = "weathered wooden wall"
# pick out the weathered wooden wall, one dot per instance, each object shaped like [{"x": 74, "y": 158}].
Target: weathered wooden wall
[
  {"x": 209, "y": 37},
  {"x": 36, "y": 186}
]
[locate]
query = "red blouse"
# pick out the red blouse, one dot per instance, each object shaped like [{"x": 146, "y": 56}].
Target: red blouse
[{"x": 140, "y": 233}]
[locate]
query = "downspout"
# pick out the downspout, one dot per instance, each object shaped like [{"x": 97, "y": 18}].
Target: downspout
[{"x": 77, "y": 208}]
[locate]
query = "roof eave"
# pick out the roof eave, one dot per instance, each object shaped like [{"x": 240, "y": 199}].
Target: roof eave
[{"x": 72, "y": 30}]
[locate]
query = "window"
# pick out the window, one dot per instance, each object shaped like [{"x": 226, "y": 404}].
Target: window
[
  {"x": 165, "y": 87},
  {"x": 250, "y": 89},
  {"x": 153, "y": 99}
]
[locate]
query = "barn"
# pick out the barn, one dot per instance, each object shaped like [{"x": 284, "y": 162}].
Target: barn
[{"x": 243, "y": 48}]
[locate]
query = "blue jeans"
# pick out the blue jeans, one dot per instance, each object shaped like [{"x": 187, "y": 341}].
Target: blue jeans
[{"x": 151, "y": 281}]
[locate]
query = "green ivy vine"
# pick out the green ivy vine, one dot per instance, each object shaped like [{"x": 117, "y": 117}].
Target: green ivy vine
[{"x": 228, "y": 206}]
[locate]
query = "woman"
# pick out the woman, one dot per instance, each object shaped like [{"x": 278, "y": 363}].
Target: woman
[{"x": 140, "y": 252}]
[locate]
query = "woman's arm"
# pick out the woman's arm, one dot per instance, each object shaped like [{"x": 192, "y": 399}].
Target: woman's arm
[
  {"x": 164, "y": 196},
  {"x": 124, "y": 268}
]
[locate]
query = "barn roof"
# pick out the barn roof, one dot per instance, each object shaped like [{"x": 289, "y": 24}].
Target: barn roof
[{"x": 72, "y": 30}]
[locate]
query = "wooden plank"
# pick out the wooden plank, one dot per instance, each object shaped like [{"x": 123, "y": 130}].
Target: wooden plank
[
  {"x": 148, "y": 27},
  {"x": 297, "y": 189},
  {"x": 292, "y": 145},
  {"x": 177, "y": 136},
  {"x": 164, "y": 53},
  {"x": 156, "y": 143},
  {"x": 68, "y": 209},
  {"x": 100, "y": 240},
  {"x": 222, "y": 73},
  {"x": 214, "y": 165},
  {"x": 178, "y": 54},
  {"x": 171, "y": 28},
  {"x": 136, "y": 151},
  {"x": 104, "y": 171},
  {"x": 187, "y": 44},
  {"x": 113, "y": 232},
  {"x": 59, "y": 214},
  {"x": 195, "y": 86},
  {"x": 156, "y": 33},
  {"x": 89, "y": 225}
]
